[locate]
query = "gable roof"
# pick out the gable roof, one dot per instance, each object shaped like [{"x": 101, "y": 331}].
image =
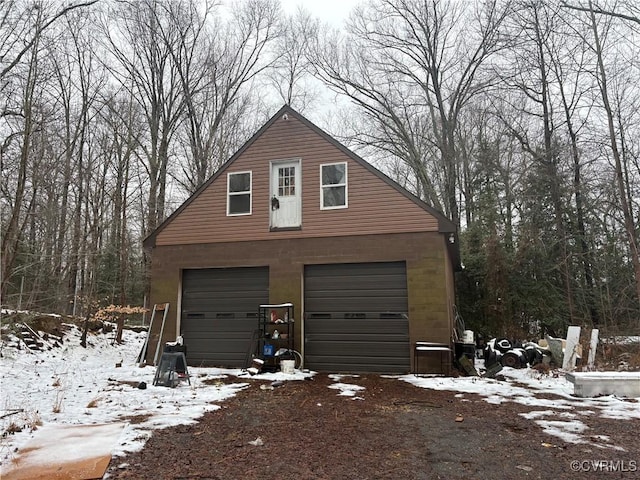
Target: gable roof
[{"x": 444, "y": 224}]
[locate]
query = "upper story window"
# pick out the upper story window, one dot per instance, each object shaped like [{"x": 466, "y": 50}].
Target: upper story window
[
  {"x": 239, "y": 193},
  {"x": 333, "y": 189}
]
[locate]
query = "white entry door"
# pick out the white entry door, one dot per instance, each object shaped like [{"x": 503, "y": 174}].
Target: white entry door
[{"x": 286, "y": 199}]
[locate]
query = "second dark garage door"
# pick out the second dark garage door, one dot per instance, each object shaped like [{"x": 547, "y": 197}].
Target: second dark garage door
[
  {"x": 220, "y": 312},
  {"x": 356, "y": 317}
]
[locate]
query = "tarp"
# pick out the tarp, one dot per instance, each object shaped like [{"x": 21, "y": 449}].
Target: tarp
[{"x": 65, "y": 452}]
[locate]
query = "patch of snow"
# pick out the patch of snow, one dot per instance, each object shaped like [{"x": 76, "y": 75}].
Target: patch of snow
[
  {"x": 257, "y": 442},
  {"x": 585, "y": 412},
  {"x": 87, "y": 386},
  {"x": 536, "y": 414},
  {"x": 6, "y": 311},
  {"x": 336, "y": 377},
  {"x": 529, "y": 387},
  {"x": 622, "y": 340},
  {"x": 567, "y": 431},
  {"x": 71, "y": 443},
  {"x": 347, "y": 389}
]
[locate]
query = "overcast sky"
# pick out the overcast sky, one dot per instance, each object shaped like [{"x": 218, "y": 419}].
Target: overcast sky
[{"x": 333, "y": 11}]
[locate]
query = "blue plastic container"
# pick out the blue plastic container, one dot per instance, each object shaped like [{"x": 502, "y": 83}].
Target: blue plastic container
[{"x": 268, "y": 350}]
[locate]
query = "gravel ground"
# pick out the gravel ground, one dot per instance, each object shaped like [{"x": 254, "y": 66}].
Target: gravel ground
[{"x": 305, "y": 430}]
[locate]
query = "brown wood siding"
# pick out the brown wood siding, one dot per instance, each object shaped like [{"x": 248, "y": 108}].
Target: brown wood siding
[{"x": 374, "y": 207}]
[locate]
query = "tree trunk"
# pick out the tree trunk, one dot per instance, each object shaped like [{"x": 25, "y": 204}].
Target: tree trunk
[
  {"x": 620, "y": 180},
  {"x": 15, "y": 226}
]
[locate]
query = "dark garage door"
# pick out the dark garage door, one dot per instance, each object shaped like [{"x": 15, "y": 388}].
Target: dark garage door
[
  {"x": 356, "y": 318},
  {"x": 219, "y": 313}
]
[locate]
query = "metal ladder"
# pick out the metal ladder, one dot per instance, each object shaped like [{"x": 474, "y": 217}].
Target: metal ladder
[
  {"x": 158, "y": 307},
  {"x": 253, "y": 345}
]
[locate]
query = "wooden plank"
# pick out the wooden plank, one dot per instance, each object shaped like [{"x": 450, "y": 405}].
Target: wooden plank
[
  {"x": 571, "y": 349},
  {"x": 593, "y": 345},
  {"x": 467, "y": 366}
]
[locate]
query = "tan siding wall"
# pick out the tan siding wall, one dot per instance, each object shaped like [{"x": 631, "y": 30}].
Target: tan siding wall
[
  {"x": 428, "y": 285},
  {"x": 374, "y": 206}
]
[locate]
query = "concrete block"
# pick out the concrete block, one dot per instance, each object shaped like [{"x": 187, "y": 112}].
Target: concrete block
[{"x": 593, "y": 384}]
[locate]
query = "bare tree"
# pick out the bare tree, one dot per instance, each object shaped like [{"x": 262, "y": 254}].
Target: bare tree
[
  {"x": 141, "y": 39},
  {"x": 216, "y": 62},
  {"x": 535, "y": 24},
  {"x": 291, "y": 71},
  {"x": 568, "y": 60},
  {"x": 79, "y": 78},
  {"x": 601, "y": 74},
  {"x": 631, "y": 11},
  {"x": 21, "y": 26},
  {"x": 19, "y": 197},
  {"x": 412, "y": 68},
  {"x": 120, "y": 141}
]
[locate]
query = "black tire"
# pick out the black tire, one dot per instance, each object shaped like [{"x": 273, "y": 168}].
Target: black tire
[
  {"x": 511, "y": 359},
  {"x": 503, "y": 345}
]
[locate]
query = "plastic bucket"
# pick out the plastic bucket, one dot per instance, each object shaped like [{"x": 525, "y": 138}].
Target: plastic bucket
[
  {"x": 467, "y": 337},
  {"x": 288, "y": 366}
]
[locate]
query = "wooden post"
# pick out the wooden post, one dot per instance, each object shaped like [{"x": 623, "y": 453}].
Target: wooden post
[
  {"x": 571, "y": 349},
  {"x": 593, "y": 345}
]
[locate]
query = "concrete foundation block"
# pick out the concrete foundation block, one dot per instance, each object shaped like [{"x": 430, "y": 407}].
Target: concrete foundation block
[{"x": 593, "y": 384}]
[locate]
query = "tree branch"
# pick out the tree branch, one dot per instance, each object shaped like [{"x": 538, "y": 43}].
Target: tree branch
[
  {"x": 600, "y": 11},
  {"x": 39, "y": 31}
]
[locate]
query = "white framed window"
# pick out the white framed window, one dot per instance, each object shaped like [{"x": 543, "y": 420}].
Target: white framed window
[
  {"x": 333, "y": 186},
  {"x": 239, "y": 193}
]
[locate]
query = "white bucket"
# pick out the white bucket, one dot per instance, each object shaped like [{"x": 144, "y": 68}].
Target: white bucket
[
  {"x": 467, "y": 337},
  {"x": 288, "y": 366}
]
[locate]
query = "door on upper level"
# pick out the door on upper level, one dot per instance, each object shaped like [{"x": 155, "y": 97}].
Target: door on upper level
[{"x": 286, "y": 198}]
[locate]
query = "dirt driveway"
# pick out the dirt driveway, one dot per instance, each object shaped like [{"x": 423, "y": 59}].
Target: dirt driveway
[{"x": 390, "y": 430}]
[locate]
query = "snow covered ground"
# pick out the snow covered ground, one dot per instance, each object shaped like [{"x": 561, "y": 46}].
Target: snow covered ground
[
  {"x": 557, "y": 416},
  {"x": 72, "y": 385}
]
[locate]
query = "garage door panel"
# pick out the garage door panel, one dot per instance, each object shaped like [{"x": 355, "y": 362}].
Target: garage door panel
[
  {"x": 355, "y": 319},
  {"x": 233, "y": 348},
  {"x": 358, "y": 338},
  {"x": 215, "y": 302},
  {"x": 365, "y": 282},
  {"x": 358, "y": 348},
  {"x": 346, "y": 360},
  {"x": 367, "y": 326},
  {"x": 241, "y": 295},
  {"x": 360, "y": 364},
  {"x": 209, "y": 325},
  {"x": 364, "y": 269},
  {"x": 357, "y": 303},
  {"x": 220, "y": 306},
  {"x": 387, "y": 292},
  {"x": 219, "y": 313},
  {"x": 392, "y": 298}
]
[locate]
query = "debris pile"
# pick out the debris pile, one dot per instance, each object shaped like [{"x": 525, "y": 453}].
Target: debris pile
[{"x": 548, "y": 352}]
